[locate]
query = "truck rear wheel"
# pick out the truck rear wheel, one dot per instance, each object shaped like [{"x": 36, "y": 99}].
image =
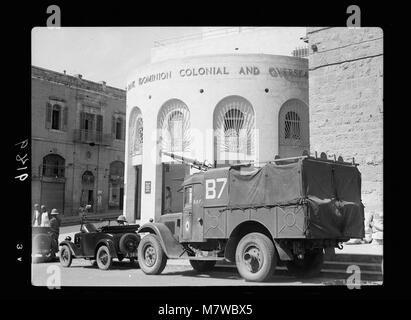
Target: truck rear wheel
[
  {"x": 256, "y": 257},
  {"x": 309, "y": 266},
  {"x": 202, "y": 265},
  {"x": 151, "y": 256}
]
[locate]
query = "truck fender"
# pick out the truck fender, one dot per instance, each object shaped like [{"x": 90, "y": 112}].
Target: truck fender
[
  {"x": 109, "y": 244},
  {"x": 172, "y": 248},
  {"x": 73, "y": 248}
]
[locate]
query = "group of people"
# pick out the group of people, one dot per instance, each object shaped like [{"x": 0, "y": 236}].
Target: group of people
[{"x": 42, "y": 218}]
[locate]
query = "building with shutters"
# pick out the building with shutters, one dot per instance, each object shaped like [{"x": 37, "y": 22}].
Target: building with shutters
[
  {"x": 226, "y": 108},
  {"x": 77, "y": 144}
]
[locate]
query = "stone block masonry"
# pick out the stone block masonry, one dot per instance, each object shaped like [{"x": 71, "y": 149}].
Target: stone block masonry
[{"x": 346, "y": 102}]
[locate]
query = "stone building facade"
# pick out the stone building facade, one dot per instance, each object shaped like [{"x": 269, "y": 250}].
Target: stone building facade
[
  {"x": 346, "y": 102},
  {"x": 77, "y": 143}
]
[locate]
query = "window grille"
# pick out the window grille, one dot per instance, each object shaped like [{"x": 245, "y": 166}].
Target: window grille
[
  {"x": 234, "y": 126},
  {"x": 136, "y": 132},
  {"x": 174, "y": 125},
  {"x": 293, "y": 124}
]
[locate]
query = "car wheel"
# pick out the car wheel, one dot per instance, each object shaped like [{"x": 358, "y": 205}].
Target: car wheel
[
  {"x": 104, "y": 258},
  {"x": 128, "y": 243},
  {"x": 255, "y": 257},
  {"x": 202, "y": 265},
  {"x": 151, "y": 256},
  {"x": 66, "y": 256},
  {"x": 309, "y": 266}
]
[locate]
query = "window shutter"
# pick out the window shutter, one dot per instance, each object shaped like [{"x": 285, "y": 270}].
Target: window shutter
[
  {"x": 113, "y": 126},
  {"x": 81, "y": 120},
  {"x": 65, "y": 114},
  {"x": 99, "y": 126},
  {"x": 48, "y": 115},
  {"x": 123, "y": 130}
]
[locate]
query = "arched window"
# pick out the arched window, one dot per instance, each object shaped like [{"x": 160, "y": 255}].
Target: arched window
[
  {"x": 293, "y": 126},
  {"x": 53, "y": 166},
  {"x": 234, "y": 126},
  {"x": 87, "y": 178},
  {"x": 174, "y": 125},
  {"x": 136, "y": 132}
]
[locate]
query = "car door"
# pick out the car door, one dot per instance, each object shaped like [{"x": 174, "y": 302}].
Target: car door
[
  {"x": 187, "y": 216},
  {"x": 198, "y": 213}
]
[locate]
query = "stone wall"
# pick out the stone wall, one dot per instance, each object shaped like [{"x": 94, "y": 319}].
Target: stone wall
[{"x": 346, "y": 102}]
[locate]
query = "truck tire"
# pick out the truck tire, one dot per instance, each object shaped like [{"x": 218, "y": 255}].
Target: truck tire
[
  {"x": 104, "y": 258},
  {"x": 128, "y": 243},
  {"x": 151, "y": 256},
  {"x": 202, "y": 265},
  {"x": 255, "y": 257},
  {"x": 309, "y": 266},
  {"x": 66, "y": 256}
]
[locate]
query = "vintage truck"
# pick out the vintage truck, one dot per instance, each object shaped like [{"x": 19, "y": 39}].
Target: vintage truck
[{"x": 291, "y": 210}]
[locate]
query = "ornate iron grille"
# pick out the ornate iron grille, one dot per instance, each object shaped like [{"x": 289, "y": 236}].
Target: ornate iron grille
[{"x": 174, "y": 125}]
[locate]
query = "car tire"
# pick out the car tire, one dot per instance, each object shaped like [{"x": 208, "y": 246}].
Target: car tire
[
  {"x": 255, "y": 257},
  {"x": 66, "y": 257},
  {"x": 128, "y": 243},
  {"x": 309, "y": 266},
  {"x": 104, "y": 258},
  {"x": 151, "y": 256},
  {"x": 202, "y": 265}
]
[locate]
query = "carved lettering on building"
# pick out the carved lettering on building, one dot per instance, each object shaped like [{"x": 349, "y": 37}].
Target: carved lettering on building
[{"x": 248, "y": 70}]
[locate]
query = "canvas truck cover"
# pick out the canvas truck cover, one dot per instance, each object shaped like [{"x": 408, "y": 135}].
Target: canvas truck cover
[{"x": 331, "y": 192}]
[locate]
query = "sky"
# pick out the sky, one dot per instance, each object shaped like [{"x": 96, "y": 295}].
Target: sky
[{"x": 99, "y": 53}]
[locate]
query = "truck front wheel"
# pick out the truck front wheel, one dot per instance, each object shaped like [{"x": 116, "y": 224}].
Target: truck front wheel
[
  {"x": 309, "y": 266},
  {"x": 202, "y": 265},
  {"x": 256, "y": 257},
  {"x": 151, "y": 256}
]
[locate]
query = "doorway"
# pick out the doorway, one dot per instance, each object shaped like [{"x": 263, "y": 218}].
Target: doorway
[
  {"x": 137, "y": 194},
  {"x": 173, "y": 178}
]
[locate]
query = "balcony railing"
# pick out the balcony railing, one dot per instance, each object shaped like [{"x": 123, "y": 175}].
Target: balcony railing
[{"x": 89, "y": 136}]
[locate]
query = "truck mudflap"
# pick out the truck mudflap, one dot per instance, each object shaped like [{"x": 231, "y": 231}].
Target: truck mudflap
[{"x": 171, "y": 247}]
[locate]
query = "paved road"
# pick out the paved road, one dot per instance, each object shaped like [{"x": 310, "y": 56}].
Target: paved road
[{"x": 83, "y": 273}]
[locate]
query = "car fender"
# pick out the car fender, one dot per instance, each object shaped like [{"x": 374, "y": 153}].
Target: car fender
[
  {"x": 109, "y": 244},
  {"x": 172, "y": 248},
  {"x": 75, "y": 251}
]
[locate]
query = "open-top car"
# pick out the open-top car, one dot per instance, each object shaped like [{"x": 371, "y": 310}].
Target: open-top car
[{"x": 101, "y": 244}]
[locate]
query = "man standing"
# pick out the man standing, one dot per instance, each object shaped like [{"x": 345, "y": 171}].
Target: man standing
[
  {"x": 44, "y": 217},
  {"x": 55, "y": 228},
  {"x": 36, "y": 221}
]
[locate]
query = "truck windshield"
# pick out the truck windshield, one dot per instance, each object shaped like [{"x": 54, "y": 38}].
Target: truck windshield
[{"x": 188, "y": 196}]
